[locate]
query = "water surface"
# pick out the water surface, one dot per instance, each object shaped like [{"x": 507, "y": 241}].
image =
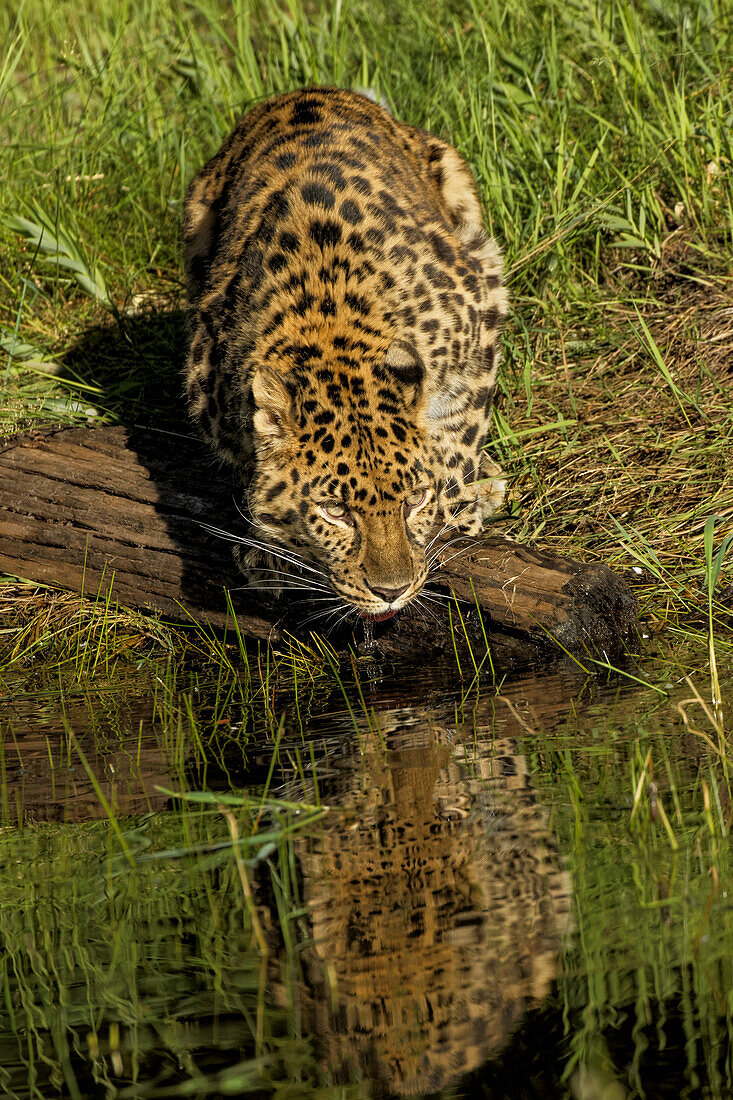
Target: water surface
[{"x": 427, "y": 887}]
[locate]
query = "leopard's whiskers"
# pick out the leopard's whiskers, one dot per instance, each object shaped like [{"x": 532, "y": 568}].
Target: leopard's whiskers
[
  {"x": 325, "y": 615},
  {"x": 349, "y": 611},
  {"x": 285, "y": 554},
  {"x": 273, "y": 586},
  {"x": 448, "y": 523},
  {"x": 438, "y": 597},
  {"x": 444, "y": 546},
  {"x": 287, "y": 580},
  {"x": 420, "y": 605},
  {"x": 462, "y": 550}
]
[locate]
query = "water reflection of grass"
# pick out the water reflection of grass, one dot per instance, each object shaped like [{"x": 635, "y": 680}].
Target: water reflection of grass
[
  {"x": 119, "y": 972},
  {"x": 122, "y": 966},
  {"x": 646, "y": 820}
]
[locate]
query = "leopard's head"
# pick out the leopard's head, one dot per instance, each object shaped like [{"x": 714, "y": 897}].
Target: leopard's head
[{"x": 345, "y": 474}]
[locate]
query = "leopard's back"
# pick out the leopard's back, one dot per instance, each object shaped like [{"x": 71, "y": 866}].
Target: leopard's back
[{"x": 400, "y": 206}]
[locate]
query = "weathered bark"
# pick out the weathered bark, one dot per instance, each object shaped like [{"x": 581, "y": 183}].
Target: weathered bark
[{"x": 88, "y": 507}]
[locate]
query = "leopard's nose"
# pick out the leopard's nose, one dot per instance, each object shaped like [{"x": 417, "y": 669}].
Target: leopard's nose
[{"x": 389, "y": 594}]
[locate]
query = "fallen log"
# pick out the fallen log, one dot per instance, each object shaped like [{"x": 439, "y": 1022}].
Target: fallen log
[{"x": 90, "y": 508}]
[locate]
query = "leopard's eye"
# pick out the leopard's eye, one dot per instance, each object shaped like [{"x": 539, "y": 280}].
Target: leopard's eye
[
  {"x": 415, "y": 499},
  {"x": 334, "y": 509}
]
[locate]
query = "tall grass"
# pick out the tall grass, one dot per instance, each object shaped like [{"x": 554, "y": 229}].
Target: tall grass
[{"x": 600, "y": 139}]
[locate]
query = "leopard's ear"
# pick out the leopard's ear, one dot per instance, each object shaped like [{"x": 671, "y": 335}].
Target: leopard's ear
[
  {"x": 274, "y": 415},
  {"x": 405, "y": 365}
]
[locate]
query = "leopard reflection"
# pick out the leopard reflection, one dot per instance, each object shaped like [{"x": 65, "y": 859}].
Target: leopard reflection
[{"x": 438, "y": 903}]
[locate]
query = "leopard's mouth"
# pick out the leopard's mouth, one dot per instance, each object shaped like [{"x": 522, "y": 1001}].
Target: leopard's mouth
[{"x": 372, "y": 618}]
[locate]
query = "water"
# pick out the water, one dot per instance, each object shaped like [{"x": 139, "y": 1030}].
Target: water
[
  {"x": 368, "y": 645},
  {"x": 514, "y": 893}
]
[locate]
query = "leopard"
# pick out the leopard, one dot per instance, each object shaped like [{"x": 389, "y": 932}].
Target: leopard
[
  {"x": 345, "y": 305},
  {"x": 436, "y": 898}
]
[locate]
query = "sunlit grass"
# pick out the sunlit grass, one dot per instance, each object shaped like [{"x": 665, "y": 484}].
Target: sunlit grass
[{"x": 601, "y": 143}]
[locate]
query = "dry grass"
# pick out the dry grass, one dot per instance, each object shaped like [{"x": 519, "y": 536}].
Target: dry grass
[{"x": 637, "y": 449}]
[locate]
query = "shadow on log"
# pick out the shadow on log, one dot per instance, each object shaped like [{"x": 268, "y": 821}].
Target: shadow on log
[{"x": 84, "y": 508}]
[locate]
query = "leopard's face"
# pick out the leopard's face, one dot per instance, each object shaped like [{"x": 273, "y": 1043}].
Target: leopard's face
[{"x": 351, "y": 490}]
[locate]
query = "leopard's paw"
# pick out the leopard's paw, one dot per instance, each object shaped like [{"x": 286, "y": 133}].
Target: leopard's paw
[{"x": 490, "y": 488}]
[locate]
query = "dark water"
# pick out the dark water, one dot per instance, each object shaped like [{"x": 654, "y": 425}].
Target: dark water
[{"x": 519, "y": 890}]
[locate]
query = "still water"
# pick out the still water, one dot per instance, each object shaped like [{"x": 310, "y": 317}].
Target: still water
[{"x": 429, "y": 888}]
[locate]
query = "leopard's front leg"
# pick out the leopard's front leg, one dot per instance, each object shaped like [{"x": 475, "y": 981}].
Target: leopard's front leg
[
  {"x": 468, "y": 502},
  {"x": 490, "y": 486}
]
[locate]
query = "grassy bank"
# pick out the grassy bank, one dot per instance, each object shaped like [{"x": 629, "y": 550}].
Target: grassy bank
[{"x": 600, "y": 138}]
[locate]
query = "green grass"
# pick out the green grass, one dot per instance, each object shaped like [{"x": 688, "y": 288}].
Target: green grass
[
  {"x": 106, "y": 956},
  {"x": 600, "y": 137}
]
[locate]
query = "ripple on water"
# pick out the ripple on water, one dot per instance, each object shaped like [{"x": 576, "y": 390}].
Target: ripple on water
[{"x": 519, "y": 892}]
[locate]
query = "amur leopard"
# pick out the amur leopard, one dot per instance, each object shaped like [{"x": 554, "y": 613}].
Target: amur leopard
[{"x": 345, "y": 309}]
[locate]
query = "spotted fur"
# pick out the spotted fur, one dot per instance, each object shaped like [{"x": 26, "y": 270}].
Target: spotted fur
[{"x": 345, "y": 308}]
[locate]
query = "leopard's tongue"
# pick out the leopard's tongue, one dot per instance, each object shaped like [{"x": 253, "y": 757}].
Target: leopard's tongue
[{"x": 378, "y": 618}]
